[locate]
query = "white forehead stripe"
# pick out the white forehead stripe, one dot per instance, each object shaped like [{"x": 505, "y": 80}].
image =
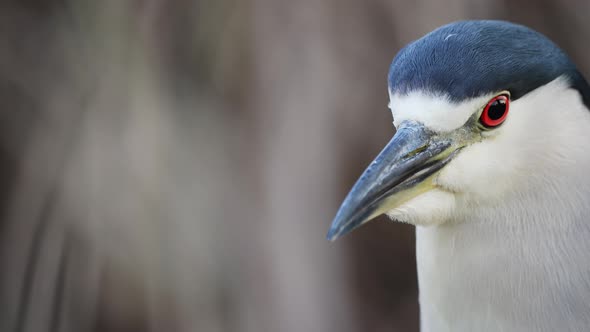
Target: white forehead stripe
[{"x": 436, "y": 112}]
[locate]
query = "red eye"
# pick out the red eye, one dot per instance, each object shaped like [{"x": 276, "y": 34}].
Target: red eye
[{"x": 495, "y": 111}]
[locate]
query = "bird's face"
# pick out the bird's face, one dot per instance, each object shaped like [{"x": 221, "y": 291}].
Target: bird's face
[
  {"x": 448, "y": 158},
  {"x": 470, "y": 114},
  {"x": 474, "y": 136},
  {"x": 492, "y": 146}
]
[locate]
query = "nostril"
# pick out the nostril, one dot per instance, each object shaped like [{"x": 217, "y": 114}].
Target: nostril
[{"x": 416, "y": 151}]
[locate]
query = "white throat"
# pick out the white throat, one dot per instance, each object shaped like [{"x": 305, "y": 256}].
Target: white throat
[{"x": 523, "y": 264}]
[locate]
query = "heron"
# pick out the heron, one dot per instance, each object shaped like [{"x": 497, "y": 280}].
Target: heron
[{"x": 490, "y": 161}]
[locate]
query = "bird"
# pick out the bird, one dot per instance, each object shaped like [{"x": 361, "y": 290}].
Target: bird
[{"x": 490, "y": 161}]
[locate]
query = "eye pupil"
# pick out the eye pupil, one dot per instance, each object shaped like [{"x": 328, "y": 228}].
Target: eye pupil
[{"x": 497, "y": 109}]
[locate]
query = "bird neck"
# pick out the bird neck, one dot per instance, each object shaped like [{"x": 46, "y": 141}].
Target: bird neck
[{"x": 519, "y": 265}]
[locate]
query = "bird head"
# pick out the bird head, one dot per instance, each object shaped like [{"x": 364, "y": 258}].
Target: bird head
[{"x": 477, "y": 106}]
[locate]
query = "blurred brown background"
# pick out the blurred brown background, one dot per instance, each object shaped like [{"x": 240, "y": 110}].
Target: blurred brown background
[{"x": 175, "y": 165}]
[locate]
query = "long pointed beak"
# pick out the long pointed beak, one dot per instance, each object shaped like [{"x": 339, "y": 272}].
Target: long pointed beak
[{"x": 402, "y": 171}]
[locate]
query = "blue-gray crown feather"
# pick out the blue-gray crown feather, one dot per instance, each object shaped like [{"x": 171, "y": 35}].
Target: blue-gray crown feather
[{"x": 471, "y": 58}]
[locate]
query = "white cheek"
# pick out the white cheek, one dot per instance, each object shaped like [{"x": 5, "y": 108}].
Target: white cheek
[
  {"x": 531, "y": 146},
  {"x": 488, "y": 169},
  {"x": 431, "y": 208}
]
